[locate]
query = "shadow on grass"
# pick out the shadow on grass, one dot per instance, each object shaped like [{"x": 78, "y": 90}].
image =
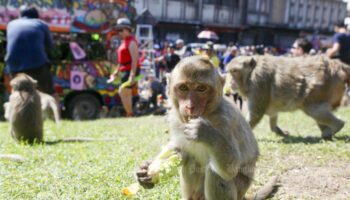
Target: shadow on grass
[{"x": 306, "y": 140}]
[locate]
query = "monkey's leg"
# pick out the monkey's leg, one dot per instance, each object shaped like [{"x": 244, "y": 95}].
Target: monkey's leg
[
  {"x": 274, "y": 127},
  {"x": 325, "y": 117},
  {"x": 192, "y": 180},
  {"x": 217, "y": 188},
  {"x": 326, "y": 131},
  {"x": 254, "y": 115}
]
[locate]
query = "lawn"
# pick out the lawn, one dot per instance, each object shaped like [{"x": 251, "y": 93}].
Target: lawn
[{"x": 308, "y": 168}]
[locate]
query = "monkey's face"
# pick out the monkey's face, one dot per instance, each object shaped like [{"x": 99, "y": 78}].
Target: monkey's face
[
  {"x": 192, "y": 98},
  {"x": 195, "y": 87},
  {"x": 239, "y": 69},
  {"x": 235, "y": 77}
]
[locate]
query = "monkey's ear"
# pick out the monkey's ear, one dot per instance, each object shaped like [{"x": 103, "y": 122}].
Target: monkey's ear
[
  {"x": 252, "y": 62},
  {"x": 35, "y": 82},
  {"x": 14, "y": 84},
  {"x": 223, "y": 78}
]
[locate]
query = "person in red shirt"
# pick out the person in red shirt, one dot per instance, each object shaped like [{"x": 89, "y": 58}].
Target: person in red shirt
[{"x": 128, "y": 64}]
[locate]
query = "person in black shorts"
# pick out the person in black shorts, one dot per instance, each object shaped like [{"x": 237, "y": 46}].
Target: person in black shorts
[{"x": 43, "y": 76}]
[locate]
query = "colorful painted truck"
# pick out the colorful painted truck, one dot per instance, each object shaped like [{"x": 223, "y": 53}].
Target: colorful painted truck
[{"x": 81, "y": 83}]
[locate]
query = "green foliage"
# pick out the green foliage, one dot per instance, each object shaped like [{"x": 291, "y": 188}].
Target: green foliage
[
  {"x": 99, "y": 170},
  {"x": 164, "y": 166}
]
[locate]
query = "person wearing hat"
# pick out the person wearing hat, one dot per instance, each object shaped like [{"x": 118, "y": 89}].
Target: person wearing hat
[
  {"x": 227, "y": 88},
  {"x": 180, "y": 47},
  {"x": 128, "y": 64},
  {"x": 229, "y": 57},
  {"x": 341, "y": 44},
  {"x": 211, "y": 55}
]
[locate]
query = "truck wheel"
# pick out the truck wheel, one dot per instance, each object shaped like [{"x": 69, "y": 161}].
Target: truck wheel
[{"x": 84, "y": 106}]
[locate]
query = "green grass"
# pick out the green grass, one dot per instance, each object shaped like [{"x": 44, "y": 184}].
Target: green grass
[{"x": 99, "y": 170}]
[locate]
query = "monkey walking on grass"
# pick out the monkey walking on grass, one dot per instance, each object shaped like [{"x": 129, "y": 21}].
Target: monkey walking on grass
[{"x": 313, "y": 84}]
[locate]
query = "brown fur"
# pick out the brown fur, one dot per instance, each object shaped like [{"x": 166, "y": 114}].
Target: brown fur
[
  {"x": 24, "y": 110},
  {"x": 314, "y": 84},
  {"x": 49, "y": 107},
  {"x": 218, "y": 149}
]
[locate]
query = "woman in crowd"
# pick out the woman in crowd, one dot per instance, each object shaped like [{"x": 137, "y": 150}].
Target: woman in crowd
[{"x": 128, "y": 64}]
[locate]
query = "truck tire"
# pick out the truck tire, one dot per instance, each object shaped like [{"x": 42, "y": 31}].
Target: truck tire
[{"x": 84, "y": 106}]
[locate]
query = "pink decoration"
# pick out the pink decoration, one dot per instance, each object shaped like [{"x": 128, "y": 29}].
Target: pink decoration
[
  {"x": 77, "y": 80},
  {"x": 77, "y": 51}
]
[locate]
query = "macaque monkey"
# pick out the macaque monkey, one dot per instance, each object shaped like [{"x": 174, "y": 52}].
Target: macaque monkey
[
  {"x": 314, "y": 84},
  {"x": 48, "y": 107},
  {"x": 24, "y": 111},
  {"x": 216, "y": 145}
]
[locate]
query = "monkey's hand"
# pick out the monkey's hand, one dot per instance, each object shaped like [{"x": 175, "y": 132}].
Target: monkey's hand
[
  {"x": 199, "y": 129},
  {"x": 142, "y": 176}
]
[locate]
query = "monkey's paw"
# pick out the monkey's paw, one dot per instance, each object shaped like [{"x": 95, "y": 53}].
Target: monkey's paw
[
  {"x": 142, "y": 177},
  {"x": 197, "y": 129}
]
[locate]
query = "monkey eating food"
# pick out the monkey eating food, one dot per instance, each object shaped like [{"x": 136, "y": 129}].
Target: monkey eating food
[
  {"x": 314, "y": 84},
  {"x": 216, "y": 145}
]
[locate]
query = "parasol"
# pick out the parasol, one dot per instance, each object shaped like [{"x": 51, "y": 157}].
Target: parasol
[{"x": 206, "y": 34}]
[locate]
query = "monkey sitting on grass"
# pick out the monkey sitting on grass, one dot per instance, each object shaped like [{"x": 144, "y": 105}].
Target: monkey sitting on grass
[
  {"x": 24, "y": 111},
  {"x": 216, "y": 145}
]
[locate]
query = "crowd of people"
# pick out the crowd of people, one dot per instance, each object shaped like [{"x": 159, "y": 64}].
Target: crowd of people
[
  {"x": 161, "y": 59},
  {"x": 167, "y": 54}
]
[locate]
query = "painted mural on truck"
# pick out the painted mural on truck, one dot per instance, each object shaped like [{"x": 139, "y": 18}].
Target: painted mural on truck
[
  {"x": 86, "y": 75},
  {"x": 78, "y": 61},
  {"x": 78, "y": 16}
]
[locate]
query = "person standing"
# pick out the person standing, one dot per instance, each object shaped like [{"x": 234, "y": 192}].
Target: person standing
[
  {"x": 170, "y": 59},
  {"x": 229, "y": 57},
  {"x": 128, "y": 64},
  {"x": 227, "y": 90},
  {"x": 211, "y": 55},
  {"x": 28, "y": 39},
  {"x": 341, "y": 44}
]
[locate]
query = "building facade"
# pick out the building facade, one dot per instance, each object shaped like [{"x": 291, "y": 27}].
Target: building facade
[{"x": 269, "y": 22}]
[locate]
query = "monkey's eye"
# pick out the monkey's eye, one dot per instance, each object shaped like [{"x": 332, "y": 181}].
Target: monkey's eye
[
  {"x": 183, "y": 88},
  {"x": 201, "y": 88},
  {"x": 234, "y": 70}
]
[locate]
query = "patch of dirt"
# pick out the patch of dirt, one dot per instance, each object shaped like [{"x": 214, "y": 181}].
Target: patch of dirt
[{"x": 316, "y": 182}]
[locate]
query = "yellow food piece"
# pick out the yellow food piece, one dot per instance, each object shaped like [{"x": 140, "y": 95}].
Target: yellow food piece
[{"x": 131, "y": 190}]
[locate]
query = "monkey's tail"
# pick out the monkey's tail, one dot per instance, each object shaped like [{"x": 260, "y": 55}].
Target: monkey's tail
[
  {"x": 54, "y": 109},
  {"x": 265, "y": 191},
  {"x": 80, "y": 139},
  {"x": 13, "y": 157}
]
